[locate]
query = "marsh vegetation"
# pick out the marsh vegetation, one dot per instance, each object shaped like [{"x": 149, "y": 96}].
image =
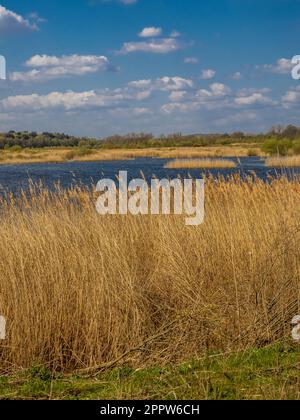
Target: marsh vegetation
[
  {"x": 83, "y": 292},
  {"x": 200, "y": 163}
]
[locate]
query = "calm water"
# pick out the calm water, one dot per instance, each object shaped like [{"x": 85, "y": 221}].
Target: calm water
[{"x": 16, "y": 177}]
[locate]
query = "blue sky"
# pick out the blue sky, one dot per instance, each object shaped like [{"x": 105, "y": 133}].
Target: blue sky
[{"x": 100, "y": 67}]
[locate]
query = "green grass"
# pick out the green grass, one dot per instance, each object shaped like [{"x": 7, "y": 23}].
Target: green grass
[{"x": 270, "y": 373}]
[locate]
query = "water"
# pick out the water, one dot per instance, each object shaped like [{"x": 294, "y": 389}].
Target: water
[{"x": 16, "y": 177}]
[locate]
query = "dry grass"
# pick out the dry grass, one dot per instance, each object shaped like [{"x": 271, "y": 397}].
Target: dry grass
[
  {"x": 58, "y": 155},
  {"x": 200, "y": 164},
  {"x": 83, "y": 291},
  {"x": 287, "y": 162},
  {"x": 210, "y": 152}
]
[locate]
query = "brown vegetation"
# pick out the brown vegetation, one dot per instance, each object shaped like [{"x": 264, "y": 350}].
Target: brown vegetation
[
  {"x": 284, "y": 161},
  {"x": 84, "y": 154},
  {"x": 83, "y": 291},
  {"x": 200, "y": 163}
]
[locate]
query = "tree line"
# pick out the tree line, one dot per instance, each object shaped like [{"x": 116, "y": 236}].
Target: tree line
[{"x": 279, "y": 140}]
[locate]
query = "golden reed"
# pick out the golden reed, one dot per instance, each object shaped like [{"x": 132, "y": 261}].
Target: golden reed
[
  {"x": 282, "y": 161},
  {"x": 83, "y": 291},
  {"x": 200, "y": 164}
]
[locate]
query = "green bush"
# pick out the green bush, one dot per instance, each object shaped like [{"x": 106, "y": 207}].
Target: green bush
[
  {"x": 277, "y": 147},
  {"x": 296, "y": 147},
  {"x": 16, "y": 149}
]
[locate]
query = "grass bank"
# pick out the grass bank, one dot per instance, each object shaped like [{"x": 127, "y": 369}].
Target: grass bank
[
  {"x": 87, "y": 292},
  {"x": 271, "y": 373}
]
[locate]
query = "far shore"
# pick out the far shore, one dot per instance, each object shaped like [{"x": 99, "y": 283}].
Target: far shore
[{"x": 77, "y": 154}]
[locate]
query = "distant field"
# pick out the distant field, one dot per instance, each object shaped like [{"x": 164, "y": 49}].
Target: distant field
[{"x": 89, "y": 155}]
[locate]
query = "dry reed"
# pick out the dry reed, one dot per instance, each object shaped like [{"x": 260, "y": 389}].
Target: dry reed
[
  {"x": 83, "y": 291},
  {"x": 200, "y": 164},
  {"x": 281, "y": 161}
]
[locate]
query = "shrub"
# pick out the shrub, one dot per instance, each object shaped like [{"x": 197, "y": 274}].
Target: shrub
[{"x": 16, "y": 149}]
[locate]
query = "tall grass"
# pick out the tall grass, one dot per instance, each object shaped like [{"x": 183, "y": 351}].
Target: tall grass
[
  {"x": 282, "y": 161},
  {"x": 210, "y": 152},
  {"x": 200, "y": 163},
  {"x": 83, "y": 291}
]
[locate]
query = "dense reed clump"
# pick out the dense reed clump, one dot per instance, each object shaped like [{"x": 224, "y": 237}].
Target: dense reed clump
[
  {"x": 200, "y": 164},
  {"x": 283, "y": 161},
  {"x": 84, "y": 291}
]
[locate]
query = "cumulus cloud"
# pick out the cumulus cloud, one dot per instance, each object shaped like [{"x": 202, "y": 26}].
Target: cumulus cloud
[
  {"x": 247, "y": 97},
  {"x": 215, "y": 90},
  {"x": 173, "y": 83},
  {"x": 177, "y": 95},
  {"x": 208, "y": 74},
  {"x": 282, "y": 66},
  {"x": 165, "y": 83},
  {"x": 46, "y": 67},
  {"x": 145, "y": 99},
  {"x": 216, "y": 96},
  {"x": 140, "y": 84},
  {"x": 236, "y": 118},
  {"x": 156, "y": 46},
  {"x": 252, "y": 99},
  {"x": 153, "y": 42},
  {"x": 150, "y": 32},
  {"x": 191, "y": 60},
  {"x": 291, "y": 98},
  {"x": 11, "y": 22},
  {"x": 72, "y": 100}
]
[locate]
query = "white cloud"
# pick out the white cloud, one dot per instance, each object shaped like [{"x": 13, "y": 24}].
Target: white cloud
[
  {"x": 150, "y": 32},
  {"x": 175, "y": 34},
  {"x": 12, "y": 22},
  {"x": 254, "y": 98},
  {"x": 237, "y": 118},
  {"x": 174, "y": 83},
  {"x": 68, "y": 100},
  {"x": 166, "y": 84},
  {"x": 237, "y": 76},
  {"x": 51, "y": 67},
  {"x": 208, "y": 74},
  {"x": 141, "y": 96},
  {"x": 282, "y": 66},
  {"x": 180, "y": 107},
  {"x": 177, "y": 95},
  {"x": 191, "y": 60},
  {"x": 216, "y": 90},
  {"x": 214, "y": 97},
  {"x": 291, "y": 98},
  {"x": 156, "y": 46},
  {"x": 140, "y": 84},
  {"x": 141, "y": 111}
]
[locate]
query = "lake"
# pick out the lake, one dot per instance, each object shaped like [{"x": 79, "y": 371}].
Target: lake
[{"x": 16, "y": 177}]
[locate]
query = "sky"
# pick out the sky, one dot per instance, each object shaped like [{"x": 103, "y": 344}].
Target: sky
[{"x": 103, "y": 67}]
